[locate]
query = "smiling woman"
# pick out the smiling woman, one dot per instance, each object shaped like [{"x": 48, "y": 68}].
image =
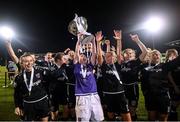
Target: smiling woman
[{"x": 28, "y": 94}]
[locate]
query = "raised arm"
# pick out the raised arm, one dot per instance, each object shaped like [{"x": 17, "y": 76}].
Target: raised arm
[
  {"x": 108, "y": 47},
  {"x": 99, "y": 37},
  {"x": 11, "y": 51},
  {"x": 66, "y": 50},
  {"x": 118, "y": 38},
  {"x": 77, "y": 48},
  {"x": 93, "y": 57},
  {"x": 94, "y": 45},
  {"x": 143, "y": 48}
]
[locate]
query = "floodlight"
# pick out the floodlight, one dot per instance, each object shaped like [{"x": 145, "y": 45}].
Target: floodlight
[
  {"x": 154, "y": 24},
  {"x": 6, "y": 32}
]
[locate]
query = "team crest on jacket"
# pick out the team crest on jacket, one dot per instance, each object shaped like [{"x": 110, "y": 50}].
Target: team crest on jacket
[{"x": 38, "y": 75}]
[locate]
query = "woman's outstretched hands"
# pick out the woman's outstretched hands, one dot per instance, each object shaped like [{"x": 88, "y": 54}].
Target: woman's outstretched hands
[
  {"x": 99, "y": 36},
  {"x": 118, "y": 34}
]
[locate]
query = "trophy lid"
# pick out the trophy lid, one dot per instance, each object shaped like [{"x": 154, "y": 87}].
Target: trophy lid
[{"x": 78, "y": 24}]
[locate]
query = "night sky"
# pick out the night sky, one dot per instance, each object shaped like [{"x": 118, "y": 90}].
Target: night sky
[{"x": 41, "y": 26}]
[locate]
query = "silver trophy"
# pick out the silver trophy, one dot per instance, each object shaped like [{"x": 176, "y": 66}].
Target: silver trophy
[{"x": 78, "y": 27}]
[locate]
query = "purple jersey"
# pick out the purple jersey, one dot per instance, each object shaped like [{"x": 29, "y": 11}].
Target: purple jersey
[{"x": 85, "y": 80}]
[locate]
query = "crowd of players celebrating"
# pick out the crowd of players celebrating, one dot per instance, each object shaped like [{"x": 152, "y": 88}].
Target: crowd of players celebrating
[{"x": 93, "y": 84}]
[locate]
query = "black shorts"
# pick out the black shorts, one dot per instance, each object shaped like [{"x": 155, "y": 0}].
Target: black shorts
[
  {"x": 157, "y": 102},
  {"x": 36, "y": 111},
  {"x": 132, "y": 94},
  {"x": 58, "y": 97},
  {"x": 116, "y": 103},
  {"x": 71, "y": 96},
  {"x": 100, "y": 89}
]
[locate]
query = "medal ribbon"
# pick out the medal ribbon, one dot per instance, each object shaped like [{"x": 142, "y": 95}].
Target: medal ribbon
[
  {"x": 84, "y": 71},
  {"x": 29, "y": 87}
]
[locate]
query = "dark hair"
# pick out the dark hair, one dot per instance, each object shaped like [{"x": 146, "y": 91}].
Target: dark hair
[{"x": 58, "y": 56}]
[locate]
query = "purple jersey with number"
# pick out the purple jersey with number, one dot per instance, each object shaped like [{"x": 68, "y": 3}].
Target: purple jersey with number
[{"x": 85, "y": 81}]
